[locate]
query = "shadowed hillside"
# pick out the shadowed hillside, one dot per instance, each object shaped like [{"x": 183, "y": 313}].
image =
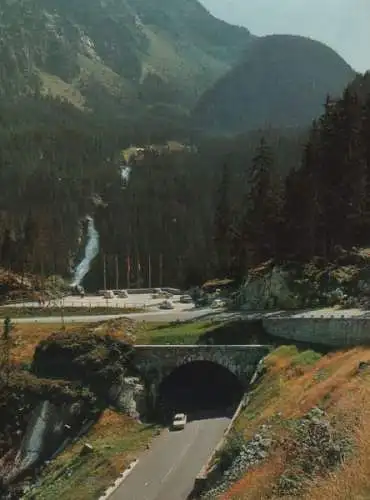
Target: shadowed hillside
[{"x": 282, "y": 82}]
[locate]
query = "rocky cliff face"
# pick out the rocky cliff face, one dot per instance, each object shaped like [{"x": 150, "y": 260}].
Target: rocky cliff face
[
  {"x": 345, "y": 282},
  {"x": 129, "y": 396},
  {"x": 268, "y": 291}
]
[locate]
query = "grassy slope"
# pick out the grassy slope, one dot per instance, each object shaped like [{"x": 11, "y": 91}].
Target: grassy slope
[
  {"x": 27, "y": 336},
  {"x": 183, "y": 333},
  {"x": 179, "y": 42},
  {"x": 190, "y": 68},
  {"x": 292, "y": 385},
  {"x": 116, "y": 440}
]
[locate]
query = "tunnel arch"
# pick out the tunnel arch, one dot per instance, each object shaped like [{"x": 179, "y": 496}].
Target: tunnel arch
[{"x": 199, "y": 385}]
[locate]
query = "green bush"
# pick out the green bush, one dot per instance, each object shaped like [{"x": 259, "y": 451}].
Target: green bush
[
  {"x": 91, "y": 360},
  {"x": 306, "y": 358},
  {"x": 233, "y": 446}
]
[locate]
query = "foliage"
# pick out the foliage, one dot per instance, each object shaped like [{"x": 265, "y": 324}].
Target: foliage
[
  {"x": 22, "y": 392},
  {"x": 110, "y": 55},
  {"x": 231, "y": 449},
  {"x": 214, "y": 209},
  {"x": 281, "y": 81},
  {"x": 116, "y": 440},
  {"x": 315, "y": 422},
  {"x": 92, "y": 360},
  {"x": 191, "y": 332},
  {"x": 306, "y": 358}
]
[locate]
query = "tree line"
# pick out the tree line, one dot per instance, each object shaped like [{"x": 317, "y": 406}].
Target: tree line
[{"x": 215, "y": 209}]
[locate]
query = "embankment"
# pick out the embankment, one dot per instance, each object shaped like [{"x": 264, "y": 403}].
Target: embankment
[{"x": 329, "y": 331}]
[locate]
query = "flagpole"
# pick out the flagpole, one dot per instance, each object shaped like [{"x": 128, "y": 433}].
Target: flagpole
[
  {"x": 105, "y": 272},
  {"x": 138, "y": 271},
  {"x": 117, "y": 273},
  {"x": 149, "y": 272},
  {"x": 160, "y": 270},
  {"x": 128, "y": 272}
]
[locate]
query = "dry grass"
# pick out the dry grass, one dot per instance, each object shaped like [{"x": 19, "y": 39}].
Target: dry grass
[
  {"x": 259, "y": 482},
  {"x": 290, "y": 390},
  {"x": 27, "y": 336}
]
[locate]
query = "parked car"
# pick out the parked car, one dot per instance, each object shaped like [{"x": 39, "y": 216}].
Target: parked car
[
  {"x": 166, "y": 304},
  {"x": 186, "y": 299},
  {"x": 122, "y": 294},
  {"x": 77, "y": 290},
  {"x": 218, "y": 303},
  {"x": 179, "y": 421},
  {"x": 109, "y": 294},
  {"x": 161, "y": 294}
]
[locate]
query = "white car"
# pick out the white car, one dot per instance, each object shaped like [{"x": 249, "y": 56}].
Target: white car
[
  {"x": 109, "y": 294},
  {"x": 186, "y": 299},
  {"x": 166, "y": 304},
  {"x": 122, "y": 294},
  {"x": 179, "y": 421},
  {"x": 218, "y": 303}
]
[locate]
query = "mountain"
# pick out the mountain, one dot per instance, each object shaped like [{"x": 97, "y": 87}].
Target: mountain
[
  {"x": 111, "y": 55},
  {"x": 282, "y": 81}
]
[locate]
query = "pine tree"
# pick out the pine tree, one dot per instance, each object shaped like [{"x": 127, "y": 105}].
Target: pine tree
[
  {"x": 222, "y": 224},
  {"x": 263, "y": 206}
]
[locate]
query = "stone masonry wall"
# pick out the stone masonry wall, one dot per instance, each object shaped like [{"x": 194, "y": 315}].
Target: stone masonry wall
[
  {"x": 337, "y": 332},
  {"x": 156, "y": 362}
]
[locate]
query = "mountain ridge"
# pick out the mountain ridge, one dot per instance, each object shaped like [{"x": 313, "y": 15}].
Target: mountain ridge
[
  {"x": 115, "y": 52},
  {"x": 282, "y": 81}
]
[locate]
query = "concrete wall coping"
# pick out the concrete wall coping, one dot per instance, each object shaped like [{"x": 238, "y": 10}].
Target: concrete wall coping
[{"x": 200, "y": 346}]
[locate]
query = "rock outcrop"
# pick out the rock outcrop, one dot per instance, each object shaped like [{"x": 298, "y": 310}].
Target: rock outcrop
[
  {"x": 129, "y": 396},
  {"x": 345, "y": 283}
]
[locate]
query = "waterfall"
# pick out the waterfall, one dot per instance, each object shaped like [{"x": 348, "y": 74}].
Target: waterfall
[
  {"x": 91, "y": 251},
  {"x": 32, "y": 447},
  {"x": 125, "y": 174}
]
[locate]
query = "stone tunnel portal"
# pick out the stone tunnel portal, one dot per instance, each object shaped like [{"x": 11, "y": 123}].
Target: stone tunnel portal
[{"x": 199, "y": 386}]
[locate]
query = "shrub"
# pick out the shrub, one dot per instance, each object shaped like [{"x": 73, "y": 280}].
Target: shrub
[
  {"x": 233, "y": 446},
  {"x": 306, "y": 358},
  {"x": 90, "y": 359}
]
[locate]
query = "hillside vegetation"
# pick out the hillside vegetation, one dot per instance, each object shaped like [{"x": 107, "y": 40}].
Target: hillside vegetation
[
  {"x": 282, "y": 81},
  {"x": 304, "y": 432},
  {"x": 128, "y": 53}
]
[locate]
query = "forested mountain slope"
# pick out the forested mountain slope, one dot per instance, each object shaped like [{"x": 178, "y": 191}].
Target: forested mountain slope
[
  {"x": 99, "y": 54},
  {"x": 282, "y": 81}
]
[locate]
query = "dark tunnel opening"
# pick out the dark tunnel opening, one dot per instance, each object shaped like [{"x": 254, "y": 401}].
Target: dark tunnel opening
[{"x": 199, "y": 388}]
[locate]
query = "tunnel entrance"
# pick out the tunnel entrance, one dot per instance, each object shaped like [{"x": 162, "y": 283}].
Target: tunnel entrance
[{"x": 197, "y": 388}]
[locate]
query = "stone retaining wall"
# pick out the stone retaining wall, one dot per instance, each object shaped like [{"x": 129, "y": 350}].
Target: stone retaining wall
[{"x": 337, "y": 332}]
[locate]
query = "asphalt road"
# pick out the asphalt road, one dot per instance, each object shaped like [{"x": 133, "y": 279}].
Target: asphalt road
[{"x": 167, "y": 471}]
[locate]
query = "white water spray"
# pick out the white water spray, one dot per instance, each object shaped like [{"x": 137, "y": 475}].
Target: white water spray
[
  {"x": 91, "y": 251},
  {"x": 32, "y": 444},
  {"x": 125, "y": 174}
]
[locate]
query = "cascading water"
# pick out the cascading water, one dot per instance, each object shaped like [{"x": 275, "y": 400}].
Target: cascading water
[
  {"x": 125, "y": 174},
  {"x": 91, "y": 251},
  {"x": 31, "y": 447}
]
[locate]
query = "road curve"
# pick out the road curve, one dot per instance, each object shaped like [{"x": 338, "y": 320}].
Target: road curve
[{"x": 167, "y": 471}]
